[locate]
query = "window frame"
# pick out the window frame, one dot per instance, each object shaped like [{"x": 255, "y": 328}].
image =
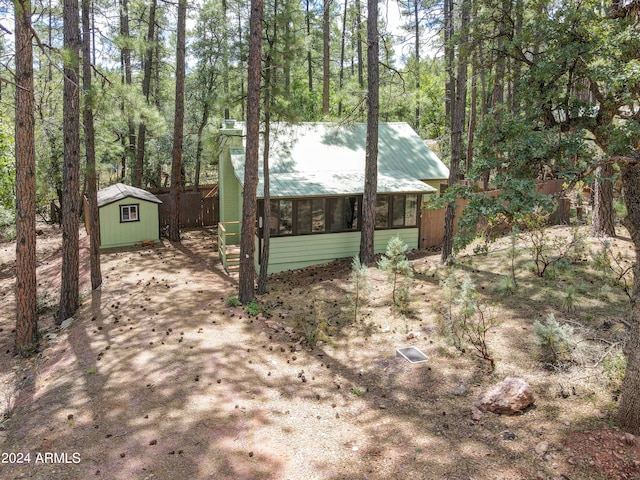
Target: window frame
[
  {"x": 327, "y": 205},
  {"x": 129, "y": 207}
]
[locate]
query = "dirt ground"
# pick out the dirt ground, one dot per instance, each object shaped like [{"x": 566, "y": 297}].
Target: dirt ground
[{"x": 159, "y": 377}]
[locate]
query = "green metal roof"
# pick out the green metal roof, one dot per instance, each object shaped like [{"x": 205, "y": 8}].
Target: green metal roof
[
  {"x": 328, "y": 159},
  {"x": 119, "y": 191}
]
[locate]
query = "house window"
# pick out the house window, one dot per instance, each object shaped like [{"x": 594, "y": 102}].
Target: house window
[
  {"x": 306, "y": 216},
  {"x": 411, "y": 210},
  {"x": 382, "y": 211},
  {"x": 281, "y": 221},
  {"x": 343, "y": 213},
  {"x": 310, "y": 214},
  {"x": 129, "y": 213},
  {"x": 396, "y": 211}
]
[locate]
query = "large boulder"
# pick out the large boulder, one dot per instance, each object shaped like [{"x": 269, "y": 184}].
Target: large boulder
[{"x": 506, "y": 398}]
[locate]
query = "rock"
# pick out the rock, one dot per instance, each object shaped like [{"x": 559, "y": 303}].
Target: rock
[
  {"x": 50, "y": 336},
  {"x": 507, "y": 397},
  {"x": 66, "y": 324},
  {"x": 476, "y": 413},
  {"x": 541, "y": 448},
  {"x": 412, "y": 335},
  {"x": 629, "y": 439},
  {"x": 460, "y": 390},
  {"x": 273, "y": 325}
]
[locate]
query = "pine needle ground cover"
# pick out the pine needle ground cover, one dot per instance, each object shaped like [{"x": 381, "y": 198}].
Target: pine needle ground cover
[{"x": 161, "y": 376}]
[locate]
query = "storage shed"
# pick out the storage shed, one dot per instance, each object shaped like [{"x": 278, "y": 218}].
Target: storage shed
[{"x": 128, "y": 216}]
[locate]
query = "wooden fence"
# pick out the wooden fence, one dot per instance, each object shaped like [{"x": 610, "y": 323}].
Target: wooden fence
[
  {"x": 197, "y": 209},
  {"x": 432, "y": 220}
]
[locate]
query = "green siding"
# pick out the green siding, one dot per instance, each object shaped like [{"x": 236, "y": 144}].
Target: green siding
[
  {"x": 290, "y": 253},
  {"x": 435, "y": 184},
  {"x": 116, "y": 234},
  {"x": 230, "y": 188}
]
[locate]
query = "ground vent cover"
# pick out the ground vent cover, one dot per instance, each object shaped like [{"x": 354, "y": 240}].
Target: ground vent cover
[{"x": 411, "y": 354}]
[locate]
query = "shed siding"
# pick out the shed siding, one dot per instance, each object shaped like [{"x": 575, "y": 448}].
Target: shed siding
[
  {"x": 290, "y": 253},
  {"x": 116, "y": 234}
]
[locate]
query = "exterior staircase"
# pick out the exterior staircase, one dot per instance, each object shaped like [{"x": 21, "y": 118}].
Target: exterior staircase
[{"x": 229, "y": 245}]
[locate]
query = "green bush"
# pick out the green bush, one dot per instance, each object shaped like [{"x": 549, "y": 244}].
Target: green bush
[
  {"x": 399, "y": 272},
  {"x": 555, "y": 340},
  {"x": 468, "y": 319},
  {"x": 7, "y": 224}
]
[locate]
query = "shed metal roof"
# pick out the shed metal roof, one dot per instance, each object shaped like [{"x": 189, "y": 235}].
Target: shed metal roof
[
  {"x": 119, "y": 191},
  {"x": 329, "y": 159}
]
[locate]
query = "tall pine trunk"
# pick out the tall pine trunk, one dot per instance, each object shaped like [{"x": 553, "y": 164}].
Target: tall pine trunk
[
  {"x": 416, "y": 27},
  {"x": 146, "y": 91},
  {"x": 602, "y": 223},
  {"x": 178, "y": 128},
  {"x": 70, "y": 285},
  {"x": 89, "y": 142},
  {"x": 367, "y": 252},
  {"x": 342, "y": 45},
  {"x": 246, "y": 287},
  {"x": 629, "y": 406},
  {"x": 326, "y": 35},
  {"x": 125, "y": 61},
  {"x": 458, "y": 114},
  {"x": 309, "y": 59},
  {"x": 25, "y": 290}
]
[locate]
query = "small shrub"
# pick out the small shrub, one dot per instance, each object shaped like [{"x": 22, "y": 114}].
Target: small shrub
[
  {"x": 615, "y": 365},
  {"x": 555, "y": 340},
  {"x": 399, "y": 272},
  {"x": 253, "y": 308},
  {"x": 357, "y": 391},
  {"x": 617, "y": 269},
  {"x": 44, "y": 303},
  {"x": 316, "y": 328},
  {"x": 568, "y": 303},
  {"x": 7, "y": 224},
  {"x": 507, "y": 285},
  {"x": 233, "y": 301},
  {"x": 551, "y": 252},
  {"x": 467, "y": 318}
]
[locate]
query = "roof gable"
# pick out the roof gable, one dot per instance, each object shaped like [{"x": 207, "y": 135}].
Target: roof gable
[{"x": 120, "y": 191}]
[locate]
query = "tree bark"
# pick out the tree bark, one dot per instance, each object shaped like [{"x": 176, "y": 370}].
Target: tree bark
[
  {"x": 344, "y": 34},
  {"x": 146, "y": 91},
  {"x": 359, "y": 44},
  {"x": 326, "y": 33},
  {"x": 367, "y": 252},
  {"x": 125, "y": 60},
  {"x": 178, "y": 127},
  {"x": 449, "y": 56},
  {"x": 416, "y": 26},
  {"x": 266, "y": 211},
  {"x": 628, "y": 415},
  {"x": 89, "y": 142},
  {"x": 309, "y": 60},
  {"x": 246, "y": 287},
  {"x": 26, "y": 314},
  {"x": 602, "y": 222},
  {"x": 70, "y": 286},
  {"x": 458, "y": 108}
]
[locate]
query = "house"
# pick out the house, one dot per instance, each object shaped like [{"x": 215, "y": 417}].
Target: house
[
  {"x": 316, "y": 186},
  {"x": 128, "y": 216}
]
